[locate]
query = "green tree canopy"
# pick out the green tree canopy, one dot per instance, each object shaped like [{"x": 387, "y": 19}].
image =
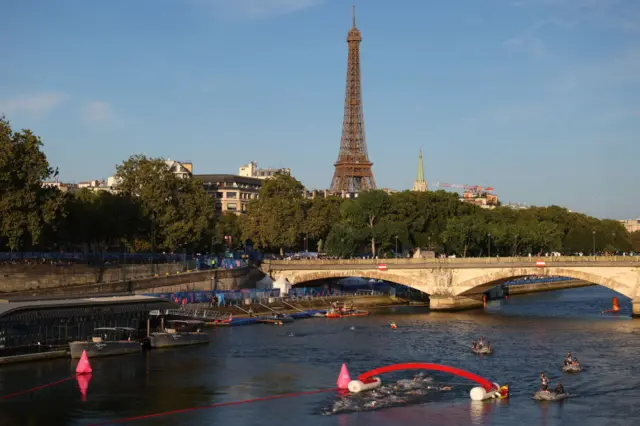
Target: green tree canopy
[
  {"x": 27, "y": 207},
  {"x": 276, "y": 219},
  {"x": 635, "y": 241},
  {"x": 178, "y": 209}
]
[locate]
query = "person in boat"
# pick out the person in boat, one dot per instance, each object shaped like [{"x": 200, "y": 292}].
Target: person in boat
[
  {"x": 474, "y": 345},
  {"x": 544, "y": 382},
  {"x": 568, "y": 360},
  {"x": 481, "y": 342},
  {"x": 559, "y": 389},
  {"x": 504, "y": 390}
]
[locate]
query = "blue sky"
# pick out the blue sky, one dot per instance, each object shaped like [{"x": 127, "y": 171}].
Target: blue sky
[{"x": 537, "y": 98}]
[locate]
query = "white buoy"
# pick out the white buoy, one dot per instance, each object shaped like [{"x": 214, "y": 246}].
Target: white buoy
[
  {"x": 356, "y": 386},
  {"x": 477, "y": 394}
]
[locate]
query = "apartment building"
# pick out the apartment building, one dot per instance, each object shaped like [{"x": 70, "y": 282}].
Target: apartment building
[{"x": 231, "y": 193}]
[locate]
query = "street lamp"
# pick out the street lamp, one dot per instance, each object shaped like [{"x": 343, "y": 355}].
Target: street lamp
[
  {"x": 396, "y": 246},
  {"x": 489, "y": 245},
  {"x": 594, "y": 243},
  {"x": 305, "y": 244}
]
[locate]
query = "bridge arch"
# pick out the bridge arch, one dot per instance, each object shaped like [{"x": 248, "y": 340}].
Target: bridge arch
[
  {"x": 301, "y": 278},
  {"x": 485, "y": 281}
]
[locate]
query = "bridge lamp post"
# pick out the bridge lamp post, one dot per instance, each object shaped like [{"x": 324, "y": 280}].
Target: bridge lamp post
[
  {"x": 396, "y": 246},
  {"x": 429, "y": 242},
  {"x": 305, "y": 244},
  {"x": 489, "y": 244},
  {"x": 594, "y": 243}
]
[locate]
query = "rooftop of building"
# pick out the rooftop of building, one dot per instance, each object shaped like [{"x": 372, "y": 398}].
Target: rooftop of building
[
  {"x": 224, "y": 178},
  {"x": 11, "y": 305}
]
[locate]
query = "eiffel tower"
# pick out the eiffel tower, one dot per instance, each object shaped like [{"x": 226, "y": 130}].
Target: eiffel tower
[{"x": 353, "y": 169}]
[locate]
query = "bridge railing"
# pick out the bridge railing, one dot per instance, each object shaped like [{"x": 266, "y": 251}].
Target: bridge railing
[{"x": 461, "y": 260}]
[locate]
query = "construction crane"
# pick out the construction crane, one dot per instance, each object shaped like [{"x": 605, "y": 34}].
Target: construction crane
[{"x": 471, "y": 188}]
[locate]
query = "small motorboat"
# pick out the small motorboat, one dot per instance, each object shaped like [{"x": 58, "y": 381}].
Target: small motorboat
[
  {"x": 179, "y": 333},
  {"x": 572, "y": 368},
  {"x": 485, "y": 350},
  {"x": 107, "y": 341},
  {"x": 550, "y": 396}
]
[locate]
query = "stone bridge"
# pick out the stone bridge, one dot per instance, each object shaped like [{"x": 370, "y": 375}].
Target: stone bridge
[{"x": 460, "y": 283}]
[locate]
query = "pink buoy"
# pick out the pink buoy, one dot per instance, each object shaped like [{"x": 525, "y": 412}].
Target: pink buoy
[
  {"x": 344, "y": 378},
  {"x": 83, "y": 365},
  {"x": 83, "y": 384}
]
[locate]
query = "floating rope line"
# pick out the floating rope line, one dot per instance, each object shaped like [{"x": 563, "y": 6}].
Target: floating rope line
[
  {"x": 220, "y": 404},
  {"x": 37, "y": 388}
]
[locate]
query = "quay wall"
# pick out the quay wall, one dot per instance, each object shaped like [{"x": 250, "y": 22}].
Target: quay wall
[
  {"x": 14, "y": 278},
  {"x": 225, "y": 279},
  {"x": 519, "y": 289}
]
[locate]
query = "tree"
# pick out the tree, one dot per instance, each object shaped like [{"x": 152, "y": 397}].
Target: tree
[
  {"x": 635, "y": 241},
  {"x": 96, "y": 221},
  {"x": 27, "y": 207},
  {"x": 179, "y": 211},
  {"x": 321, "y": 215},
  {"x": 366, "y": 212},
  {"x": 229, "y": 225},
  {"x": 342, "y": 241},
  {"x": 276, "y": 218},
  {"x": 464, "y": 231}
]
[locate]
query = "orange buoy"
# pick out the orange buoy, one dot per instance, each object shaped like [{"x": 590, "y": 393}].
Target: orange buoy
[{"x": 614, "y": 302}]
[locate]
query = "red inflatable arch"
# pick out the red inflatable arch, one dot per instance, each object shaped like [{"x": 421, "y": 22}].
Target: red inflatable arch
[{"x": 486, "y": 384}]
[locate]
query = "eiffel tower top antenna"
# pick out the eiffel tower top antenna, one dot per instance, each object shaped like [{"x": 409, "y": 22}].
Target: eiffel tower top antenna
[{"x": 354, "y": 15}]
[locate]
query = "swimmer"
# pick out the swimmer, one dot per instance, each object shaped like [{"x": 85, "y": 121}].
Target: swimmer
[
  {"x": 504, "y": 390},
  {"x": 446, "y": 388},
  {"x": 392, "y": 324}
]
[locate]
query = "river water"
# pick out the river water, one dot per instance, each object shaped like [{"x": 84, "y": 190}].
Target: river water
[{"x": 530, "y": 334}]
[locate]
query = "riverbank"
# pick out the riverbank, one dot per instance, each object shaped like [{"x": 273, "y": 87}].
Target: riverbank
[
  {"x": 365, "y": 303},
  {"x": 520, "y": 289}
]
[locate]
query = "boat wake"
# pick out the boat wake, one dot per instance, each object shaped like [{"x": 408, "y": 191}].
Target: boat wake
[{"x": 417, "y": 390}]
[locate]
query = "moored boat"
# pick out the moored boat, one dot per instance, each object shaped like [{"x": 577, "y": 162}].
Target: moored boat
[
  {"x": 107, "y": 341},
  {"x": 354, "y": 313},
  {"x": 179, "y": 333}
]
